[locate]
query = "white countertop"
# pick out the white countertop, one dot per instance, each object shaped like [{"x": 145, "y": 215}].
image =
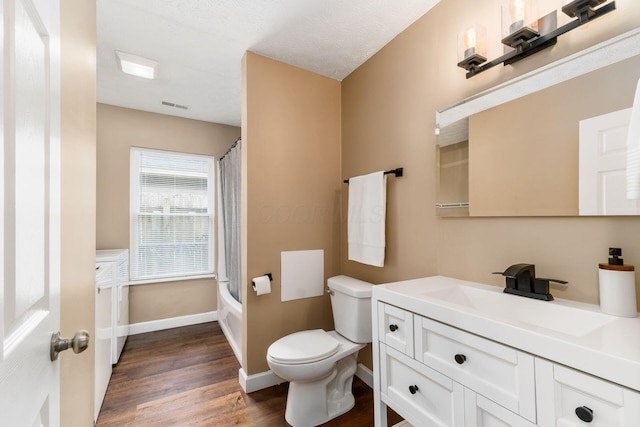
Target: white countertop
[{"x": 574, "y": 334}]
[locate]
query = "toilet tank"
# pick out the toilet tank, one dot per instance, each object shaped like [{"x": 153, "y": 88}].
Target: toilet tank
[{"x": 351, "y": 305}]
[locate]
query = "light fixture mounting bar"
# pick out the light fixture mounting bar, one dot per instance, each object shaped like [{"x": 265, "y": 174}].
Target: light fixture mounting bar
[{"x": 583, "y": 15}]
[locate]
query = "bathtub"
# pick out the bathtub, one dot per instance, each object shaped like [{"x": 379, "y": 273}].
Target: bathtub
[{"x": 230, "y": 319}]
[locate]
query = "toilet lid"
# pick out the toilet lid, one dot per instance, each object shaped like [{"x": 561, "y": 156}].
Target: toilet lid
[{"x": 303, "y": 347}]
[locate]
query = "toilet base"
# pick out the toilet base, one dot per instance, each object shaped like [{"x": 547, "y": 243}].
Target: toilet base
[{"x": 313, "y": 403}]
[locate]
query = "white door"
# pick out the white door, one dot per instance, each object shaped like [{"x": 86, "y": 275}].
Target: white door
[
  {"x": 30, "y": 213},
  {"x": 603, "y": 154}
]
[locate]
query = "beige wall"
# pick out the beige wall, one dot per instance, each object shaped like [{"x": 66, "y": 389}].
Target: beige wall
[
  {"x": 388, "y": 120},
  {"x": 78, "y": 206},
  {"x": 119, "y": 129},
  {"x": 292, "y": 183}
]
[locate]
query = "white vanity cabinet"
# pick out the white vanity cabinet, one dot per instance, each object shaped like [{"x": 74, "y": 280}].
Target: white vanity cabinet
[
  {"x": 451, "y": 353},
  {"x": 448, "y": 377}
]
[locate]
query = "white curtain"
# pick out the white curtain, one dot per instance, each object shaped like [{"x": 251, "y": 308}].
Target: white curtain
[{"x": 229, "y": 220}]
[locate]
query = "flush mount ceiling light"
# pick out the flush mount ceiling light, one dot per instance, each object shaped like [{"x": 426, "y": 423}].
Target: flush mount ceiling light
[
  {"x": 522, "y": 30},
  {"x": 136, "y": 65}
]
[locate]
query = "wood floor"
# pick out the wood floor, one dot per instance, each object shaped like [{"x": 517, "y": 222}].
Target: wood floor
[{"x": 189, "y": 377}]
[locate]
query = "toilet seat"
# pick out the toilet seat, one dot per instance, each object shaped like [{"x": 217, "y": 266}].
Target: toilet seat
[{"x": 303, "y": 347}]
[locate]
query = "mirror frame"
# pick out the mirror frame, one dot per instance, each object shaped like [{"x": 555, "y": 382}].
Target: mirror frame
[{"x": 593, "y": 58}]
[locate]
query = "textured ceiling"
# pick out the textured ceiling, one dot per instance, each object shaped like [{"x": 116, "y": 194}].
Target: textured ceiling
[{"x": 199, "y": 46}]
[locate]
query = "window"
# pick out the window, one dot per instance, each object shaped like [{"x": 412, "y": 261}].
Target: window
[{"x": 171, "y": 215}]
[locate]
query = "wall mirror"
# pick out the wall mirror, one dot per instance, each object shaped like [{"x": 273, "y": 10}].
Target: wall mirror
[{"x": 514, "y": 150}]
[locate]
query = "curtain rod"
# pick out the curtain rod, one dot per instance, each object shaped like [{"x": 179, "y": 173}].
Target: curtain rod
[
  {"x": 231, "y": 148},
  {"x": 396, "y": 172}
]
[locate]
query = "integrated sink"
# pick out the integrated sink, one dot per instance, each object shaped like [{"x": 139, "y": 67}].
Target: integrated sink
[{"x": 490, "y": 301}]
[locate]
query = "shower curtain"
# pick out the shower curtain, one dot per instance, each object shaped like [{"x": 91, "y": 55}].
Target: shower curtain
[{"x": 229, "y": 219}]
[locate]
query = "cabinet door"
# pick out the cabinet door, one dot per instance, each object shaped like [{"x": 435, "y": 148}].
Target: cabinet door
[
  {"x": 421, "y": 395},
  {"x": 482, "y": 412},
  {"x": 395, "y": 328},
  {"x": 562, "y": 391}
]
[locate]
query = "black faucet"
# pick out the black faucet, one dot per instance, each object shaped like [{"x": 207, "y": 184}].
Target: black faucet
[{"x": 521, "y": 280}]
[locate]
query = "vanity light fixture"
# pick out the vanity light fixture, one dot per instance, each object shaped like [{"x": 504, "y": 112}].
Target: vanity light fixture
[
  {"x": 520, "y": 31},
  {"x": 136, "y": 65}
]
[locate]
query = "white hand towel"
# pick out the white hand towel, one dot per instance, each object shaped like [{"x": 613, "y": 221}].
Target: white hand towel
[
  {"x": 633, "y": 149},
  {"x": 367, "y": 213}
]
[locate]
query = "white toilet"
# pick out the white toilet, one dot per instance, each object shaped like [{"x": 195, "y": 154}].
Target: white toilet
[{"x": 320, "y": 365}]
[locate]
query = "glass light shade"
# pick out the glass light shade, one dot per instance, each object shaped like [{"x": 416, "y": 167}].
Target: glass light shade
[
  {"x": 517, "y": 15},
  {"x": 472, "y": 41}
]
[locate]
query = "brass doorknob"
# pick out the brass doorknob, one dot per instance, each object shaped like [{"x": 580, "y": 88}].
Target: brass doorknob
[{"x": 78, "y": 343}]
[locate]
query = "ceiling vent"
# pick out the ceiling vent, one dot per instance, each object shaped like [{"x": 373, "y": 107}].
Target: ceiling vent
[{"x": 174, "y": 105}]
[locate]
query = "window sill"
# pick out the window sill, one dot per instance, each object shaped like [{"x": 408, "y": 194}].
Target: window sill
[{"x": 171, "y": 279}]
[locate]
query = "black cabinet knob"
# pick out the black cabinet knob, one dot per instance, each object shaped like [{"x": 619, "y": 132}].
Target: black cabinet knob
[
  {"x": 393, "y": 328},
  {"x": 413, "y": 389},
  {"x": 460, "y": 358},
  {"x": 585, "y": 414}
]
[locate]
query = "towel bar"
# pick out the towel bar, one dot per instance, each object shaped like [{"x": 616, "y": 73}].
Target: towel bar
[{"x": 396, "y": 172}]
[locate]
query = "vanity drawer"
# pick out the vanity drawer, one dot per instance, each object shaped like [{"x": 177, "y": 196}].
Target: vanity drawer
[
  {"x": 498, "y": 372},
  {"x": 562, "y": 390},
  {"x": 395, "y": 328},
  {"x": 419, "y": 394},
  {"x": 480, "y": 411}
]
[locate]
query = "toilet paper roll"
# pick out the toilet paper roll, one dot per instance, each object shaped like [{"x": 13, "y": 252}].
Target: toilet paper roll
[{"x": 262, "y": 285}]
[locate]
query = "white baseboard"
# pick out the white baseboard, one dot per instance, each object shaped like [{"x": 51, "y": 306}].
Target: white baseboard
[
  {"x": 365, "y": 374},
  {"x": 251, "y": 383},
  {"x": 173, "y": 322},
  {"x": 255, "y": 382}
]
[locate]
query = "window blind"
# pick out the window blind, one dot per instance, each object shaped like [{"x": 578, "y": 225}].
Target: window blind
[{"x": 171, "y": 214}]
